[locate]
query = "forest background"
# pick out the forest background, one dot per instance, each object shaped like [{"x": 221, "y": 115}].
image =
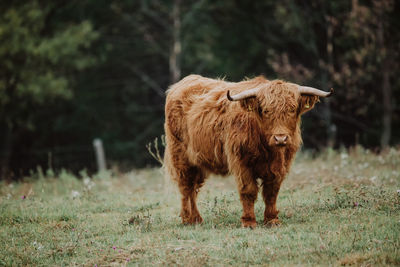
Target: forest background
[{"x": 72, "y": 71}]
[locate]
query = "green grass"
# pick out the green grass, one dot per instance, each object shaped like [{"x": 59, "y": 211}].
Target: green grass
[{"x": 337, "y": 209}]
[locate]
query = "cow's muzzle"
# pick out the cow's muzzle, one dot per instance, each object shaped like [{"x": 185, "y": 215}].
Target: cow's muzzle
[{"x": 279, "y": 140}]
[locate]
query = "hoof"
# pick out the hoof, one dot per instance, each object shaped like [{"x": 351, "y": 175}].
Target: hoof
[
  {"x": 272, "y": 223},
  {"x": 249, "y": 224},
  {"x": 185, "y": 219},
  {"x": 192, "y": 220},
  {"x": 197, "y": 219}
]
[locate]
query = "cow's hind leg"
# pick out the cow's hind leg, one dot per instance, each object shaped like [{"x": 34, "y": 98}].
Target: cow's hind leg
[
  {"x": 195, "y": 216},
  {"x": 190, "y": 179}
]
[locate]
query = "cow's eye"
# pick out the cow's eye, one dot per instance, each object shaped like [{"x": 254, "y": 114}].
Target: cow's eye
[{"x": 291, "y": 110}]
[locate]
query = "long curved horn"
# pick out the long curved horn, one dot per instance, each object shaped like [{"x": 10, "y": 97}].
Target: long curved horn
[
  {"x": 243, "y": 95},
  {"x": 305, "y": 90}
]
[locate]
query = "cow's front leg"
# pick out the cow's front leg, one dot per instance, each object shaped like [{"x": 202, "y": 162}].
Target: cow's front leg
[
  {"x": 248, "y": 191},
  {"x": 270, "y": 193}
]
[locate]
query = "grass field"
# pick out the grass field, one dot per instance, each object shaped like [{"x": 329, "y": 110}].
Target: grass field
[{"x": 336, "y": 209}]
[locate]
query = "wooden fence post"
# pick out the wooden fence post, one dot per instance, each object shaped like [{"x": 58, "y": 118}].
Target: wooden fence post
[{"x": 100, "y": 156}]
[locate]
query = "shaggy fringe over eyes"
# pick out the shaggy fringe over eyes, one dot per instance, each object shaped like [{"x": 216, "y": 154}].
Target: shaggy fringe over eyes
[{"x": 279, "y": 97}]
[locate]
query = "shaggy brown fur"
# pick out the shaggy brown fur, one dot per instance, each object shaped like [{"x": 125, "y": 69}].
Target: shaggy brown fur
[{"x": 207, "y": 133}]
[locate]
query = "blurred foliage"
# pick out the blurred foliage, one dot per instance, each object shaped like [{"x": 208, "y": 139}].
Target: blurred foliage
[
  {"x": 72, "y": 71},
  {"x": 37, "y": 58}
]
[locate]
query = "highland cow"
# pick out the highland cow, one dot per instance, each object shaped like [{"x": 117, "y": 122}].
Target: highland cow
[{"x": 250, "y": 129}]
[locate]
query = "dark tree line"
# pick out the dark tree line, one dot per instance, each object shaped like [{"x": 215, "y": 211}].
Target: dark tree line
[{"x": 72, "y": 71}]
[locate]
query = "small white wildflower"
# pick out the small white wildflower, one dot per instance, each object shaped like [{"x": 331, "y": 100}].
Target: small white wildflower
[
  {"x": 75, "y": 194},
  {"x": 37, "y": 245},
  {"x": 297, "y": 171},
  {"x": 269, "y": 251},
  {"x": 363, "y": 166},
  {"x": 344, "y": 159},
  {"x": 86, "y": 181},
  {"x": 336, "y": 168}
]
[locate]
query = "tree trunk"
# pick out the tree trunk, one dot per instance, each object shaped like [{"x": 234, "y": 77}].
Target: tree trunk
[
  {"x": 386, "y": 86},
  {"x": 5, "y": 153},
  {"x": 174, "y": 63},
  {"x": 330, "y": 127},
  {"x": 387, "y": 107},
  {"x": 7, "y": 123}
]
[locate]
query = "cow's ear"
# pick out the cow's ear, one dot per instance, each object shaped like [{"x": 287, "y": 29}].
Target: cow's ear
[
  {"x": 307, "y": 102},
  {"x": 250, "y": 104}
]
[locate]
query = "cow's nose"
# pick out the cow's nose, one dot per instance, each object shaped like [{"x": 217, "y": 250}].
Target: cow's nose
[{"x": 280, "y": 139}]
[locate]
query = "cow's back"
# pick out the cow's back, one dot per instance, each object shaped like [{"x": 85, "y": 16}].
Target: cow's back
[{"x": 180, "y": 99}]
